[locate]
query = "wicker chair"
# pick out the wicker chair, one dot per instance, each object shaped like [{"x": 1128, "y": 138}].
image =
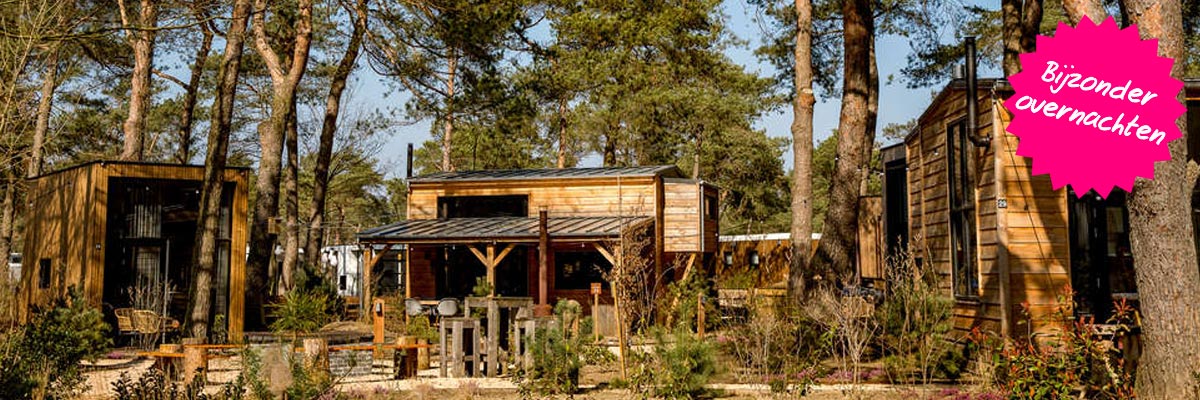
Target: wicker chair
[
  {"x": 125, "y": 321},
  {"x": 148, "y": 322}
]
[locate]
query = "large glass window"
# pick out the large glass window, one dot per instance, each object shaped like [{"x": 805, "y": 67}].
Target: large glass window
[
  {"x": 577, "y": 270},
  {"x": 483, "y": 206},
  {"x": 959, "y": 157}
]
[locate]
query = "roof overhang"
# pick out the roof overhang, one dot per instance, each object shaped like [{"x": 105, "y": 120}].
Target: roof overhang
[{"x": 500, "y": 229}]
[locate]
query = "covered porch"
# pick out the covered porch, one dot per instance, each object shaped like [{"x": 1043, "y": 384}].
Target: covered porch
[{"x": 546, "y": 258}]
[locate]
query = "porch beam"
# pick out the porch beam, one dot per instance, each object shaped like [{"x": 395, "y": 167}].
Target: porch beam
[{"x": 604, "y": 252}]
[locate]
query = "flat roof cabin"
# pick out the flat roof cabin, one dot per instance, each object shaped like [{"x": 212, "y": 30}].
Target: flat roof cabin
[{"x": 107, "y": 227}]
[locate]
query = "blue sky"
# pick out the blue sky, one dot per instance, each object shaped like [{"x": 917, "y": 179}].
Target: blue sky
[{"x": 897, "y": 103}]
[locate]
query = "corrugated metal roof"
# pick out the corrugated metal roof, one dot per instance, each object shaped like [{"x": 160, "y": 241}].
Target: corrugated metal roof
[
  {"x": 510, "y": 228},
  {"x": 549, "y": 173}
]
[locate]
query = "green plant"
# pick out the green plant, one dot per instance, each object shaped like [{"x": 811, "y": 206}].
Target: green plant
[
  {"x": 419, "y": 326},
  {"x": 41, "y": 359},
  {"x": 682, "y": 297},
  {"x": 308, "y": 382},
  {"x": 682, "y": 364},
  {"x": 249, "y": 383},
  {"x": 916, "y": 319},
  {"x": 482, "y": 288},
  {"x": 301, "y": 311},
  {"x": 154, "y": 385},
  {"x": 556, "y": 364}
]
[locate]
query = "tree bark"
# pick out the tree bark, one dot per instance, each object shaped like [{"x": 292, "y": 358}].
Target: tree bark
[
  {"x": 333, "y": 101},
  {"x": 1077, "y": 9},
  {"x": 271, "y": 132},
  {"x": 1022, "y": 22},
  {"x": 562, "y": 133},
  {"x": 7, "y": 213},
  {"x": 142, "y": 42},
  {"x": 1167, "y": 278},
  {"x": 802, "y": 148},
  {"x": 205, "y": 256},
  {"x": 45, "y": 105},
  {"x": 448, "y": 118},
  {"x": 189, "y": 98},
  {"x": 838, "y": 247},
  {"x": 864, "y": 187},
  {"x": 291, "y": 206}
]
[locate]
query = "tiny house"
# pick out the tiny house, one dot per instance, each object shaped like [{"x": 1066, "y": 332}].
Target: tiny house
[
  {"x": 1007, "y": 245},
  {"x": 105, "y": 228},
  {"x": 469, "y": 225}
]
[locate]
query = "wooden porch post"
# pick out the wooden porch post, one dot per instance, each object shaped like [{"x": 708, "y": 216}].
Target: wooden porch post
[{"x": 543, "y": 307}]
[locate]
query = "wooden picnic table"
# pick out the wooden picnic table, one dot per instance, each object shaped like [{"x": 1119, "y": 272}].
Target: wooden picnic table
[{"x": 363, "y": 347}]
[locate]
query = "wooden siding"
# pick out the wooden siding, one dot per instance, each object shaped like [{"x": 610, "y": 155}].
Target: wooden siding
[
  {"x": 67, "y": 222},
  {"x": 1036, "y": 236},
  {"x": 711, "y": 224},
  {"x": 566, "y": 198},
  {"x": 870, "y": 237},
  {"x": 929, "y": 204},
  {"x": 682, "y": 215}
]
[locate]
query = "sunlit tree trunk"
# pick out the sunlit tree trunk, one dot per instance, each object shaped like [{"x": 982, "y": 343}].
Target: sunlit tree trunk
[
  {"x": 1162, "y": 241},
  {"x": 802, "y": 149},
  {"x": 448, "y": 118},
  {"x": 189, "y": 98},
  {"x": 141, "y": 39},
  {"x": 205, "y": 255},
  {"x": 45, "y": 105},
  {"x": 333, "y": 101},
  {"x": 838, "y": 247},
  {"x": 1077, "y": 9}
]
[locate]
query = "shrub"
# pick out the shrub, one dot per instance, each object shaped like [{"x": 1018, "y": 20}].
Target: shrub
[
  {"x": 682, "y": 365},
  {"x": 301, "y": 311},
  {"x": 419, "y": 326},
  {"x": 916, "y": 318},
  {"x": 556, "y": 364},
  {"x": 768, "y": 348},
  {"x": 41, "y": 359},
  {"x": 154, "y": 385}
]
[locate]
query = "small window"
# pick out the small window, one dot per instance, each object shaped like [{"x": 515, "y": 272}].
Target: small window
[
  {"x": 579, "y": 269},
  {"x": 44, "y": 273},
  {"x": 341, "y": 282}
]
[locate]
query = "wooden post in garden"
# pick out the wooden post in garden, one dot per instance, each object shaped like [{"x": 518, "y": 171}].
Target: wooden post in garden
[
  {"x": 700, "y": 316},
  {"x": 195, "y": 360},
  {"x": 316, "y": 354},
  {"x": 377, "y": 306},
  {"x": 543, "y": 308},
  {"x": 596, "y": 288}
]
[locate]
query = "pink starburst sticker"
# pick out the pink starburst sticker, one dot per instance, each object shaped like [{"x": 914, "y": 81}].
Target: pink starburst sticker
[{"x": 1095, "y": 106}]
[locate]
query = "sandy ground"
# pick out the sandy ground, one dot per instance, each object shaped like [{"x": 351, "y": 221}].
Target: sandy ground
[{"x": 428, "y": 386}]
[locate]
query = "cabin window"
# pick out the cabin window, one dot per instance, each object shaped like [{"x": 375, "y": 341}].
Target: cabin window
[
  {"x": 711, "y": 207},
  {"x": 44, "y": 273},
  {"x": 483, "y": 206},
  {"x": 577, "y": 270},
  {"x": 341, "y": 282},
  {"x": 962, "y": 211}
]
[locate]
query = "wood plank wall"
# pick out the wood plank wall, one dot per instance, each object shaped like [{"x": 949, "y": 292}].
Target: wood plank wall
[
  {"x": 563, "y": 198},
  {"x": 929, "y": 211},
  {"x": 1036, "y": 230},
  {"x": 67, "y": 223},
  {"x": 682, "y": 215}
]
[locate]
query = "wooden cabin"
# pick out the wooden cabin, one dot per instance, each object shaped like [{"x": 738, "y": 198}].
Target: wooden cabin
[
  {"x": 1002, "y": 238},
  {"x": 464, "y": 225},
  {"x": 106, "y": 227}
]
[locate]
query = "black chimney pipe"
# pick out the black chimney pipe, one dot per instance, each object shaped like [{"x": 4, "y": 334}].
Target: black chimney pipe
[
  {"x": 973, "y": 98},
  {"x": 408, "y": 174}
]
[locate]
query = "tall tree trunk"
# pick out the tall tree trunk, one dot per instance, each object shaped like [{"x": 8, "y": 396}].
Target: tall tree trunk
[
  {"x": 562, "y": 133},
  {"x": 142, "y": 42},
  {"x": 1077, "y": 9},
  {"x": 1162, "y": 243},
  {"x": 7, "y": 213},
  {"x": 271, "y": 137},
  {"x": 45, "y": 105},
  {"x": 205, "y": 256},
  {"x": 291, "y": 206},
  {"x": 802, "y": 148},
  {"x": 864, "y": 187},
  {"x": 448, "y": 119},
  {"x": 192, "y": 89},
  {"x": 1022, "y": 22},
  {"x": 838, "y": 247},
  {"x": 333, "y": 104}
]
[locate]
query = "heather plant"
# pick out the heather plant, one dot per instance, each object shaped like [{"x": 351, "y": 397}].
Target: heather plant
[
  {"x": 41, "y": 359},
  {"x": 915, "y": 320},
  {"x": 154, "y": 385}
]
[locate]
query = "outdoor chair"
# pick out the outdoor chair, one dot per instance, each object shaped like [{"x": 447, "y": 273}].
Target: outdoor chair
[
  {"x": 148, "y": 322},
  {"x": 413, "y": 307},
  {"x": 125, "y": 321},
  {"x": 448, "y": 307}
]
